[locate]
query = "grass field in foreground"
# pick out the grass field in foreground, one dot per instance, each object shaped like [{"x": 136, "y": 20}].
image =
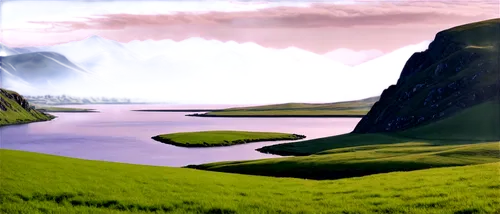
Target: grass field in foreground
[
  {"x": 221, "y": 138},
  {"x": 37, "y": 183},
  {"x": 469, "y": 137},
  {"x": 349, "y": 108}
]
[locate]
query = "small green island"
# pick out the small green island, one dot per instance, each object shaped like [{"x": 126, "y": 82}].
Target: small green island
[{"x": 222, "y": 138}]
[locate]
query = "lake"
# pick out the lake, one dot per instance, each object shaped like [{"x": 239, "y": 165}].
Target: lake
[{"x": 120, "y": 135}]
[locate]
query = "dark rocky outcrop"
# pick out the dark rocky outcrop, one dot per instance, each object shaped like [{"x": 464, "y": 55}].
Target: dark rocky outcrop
[
  {"x": 460, "y": 69},
  {"x": 4, "y": 105}
]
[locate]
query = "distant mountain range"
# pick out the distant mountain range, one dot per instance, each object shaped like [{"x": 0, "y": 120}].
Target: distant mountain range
[
  {"x": 56, "y": 69},
  {"x": 39, "y": 71}
]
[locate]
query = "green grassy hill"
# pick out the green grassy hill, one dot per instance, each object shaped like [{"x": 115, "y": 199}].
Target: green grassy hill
[
  {"x": 355, "y": 108},
  {"x": 14, "y": 109},
  {"x": 37, "y": 183}
]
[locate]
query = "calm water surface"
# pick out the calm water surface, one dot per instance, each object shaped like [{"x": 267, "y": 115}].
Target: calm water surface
[{"x": 120, "y": 135}]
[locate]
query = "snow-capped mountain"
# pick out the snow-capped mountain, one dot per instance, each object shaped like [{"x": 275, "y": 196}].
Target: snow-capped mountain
[{"x": 78, "y": 51}]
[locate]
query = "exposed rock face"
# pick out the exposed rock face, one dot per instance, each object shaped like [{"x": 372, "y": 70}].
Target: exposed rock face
[
  {"x": 14, "y": 109},
  {"x": 460, "y": 69},
  {"x": 4, "y": 105}
]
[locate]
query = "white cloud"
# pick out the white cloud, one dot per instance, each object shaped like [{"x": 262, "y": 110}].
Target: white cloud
[
  {"x": 212, "y": 72},
  {"x": 350, "y": 57}
]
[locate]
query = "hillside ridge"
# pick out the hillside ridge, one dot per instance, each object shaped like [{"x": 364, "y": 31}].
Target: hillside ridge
[{"x": 460, "y": 69}]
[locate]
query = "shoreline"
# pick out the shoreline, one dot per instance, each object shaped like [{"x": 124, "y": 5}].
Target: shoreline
[
  {"x": 176, "y": 110},
  {"x": 68, "y": 111},
  {"x": 277, "y": 116},
  {"x": 52, "y": 117}
]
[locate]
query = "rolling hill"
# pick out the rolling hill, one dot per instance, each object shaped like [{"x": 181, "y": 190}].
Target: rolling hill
[{"x": 356, "y": 108}]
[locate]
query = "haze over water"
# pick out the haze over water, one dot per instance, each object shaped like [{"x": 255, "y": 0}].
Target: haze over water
[{"x": 120, "y": 135}]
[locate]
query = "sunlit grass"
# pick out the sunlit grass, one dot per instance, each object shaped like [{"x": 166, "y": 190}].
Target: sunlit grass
[{"x": 36, "y": 183}]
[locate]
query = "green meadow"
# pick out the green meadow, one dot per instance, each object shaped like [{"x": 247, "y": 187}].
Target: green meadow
[
  {"x": 38, "y": 183},
  {"x": 221, "y": 138}
]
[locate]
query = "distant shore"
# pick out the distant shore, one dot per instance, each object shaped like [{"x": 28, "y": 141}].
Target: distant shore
[
  {"x": 176, "y": 110},
  {"x": 281, "y": 116},
  {"x": 70, "y": 104}
]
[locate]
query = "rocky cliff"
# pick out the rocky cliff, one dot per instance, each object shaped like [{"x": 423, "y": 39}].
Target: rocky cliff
[
  {"x": 14, "y": 109},
  {"x": 460, "y": 69}
]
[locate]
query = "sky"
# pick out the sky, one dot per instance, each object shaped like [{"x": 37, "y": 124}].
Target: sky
[
  {"x": 366, "y": 26},
  {"x": 236, "y": 52}
]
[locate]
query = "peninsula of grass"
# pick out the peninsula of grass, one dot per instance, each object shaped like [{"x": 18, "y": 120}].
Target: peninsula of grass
[
  {"x": 469, "y": 137},
  {"x": 64, "y": 109},
  {"x": 222, "y": 138},
  {"x": 38, "y": 183},
  {"x": 357, "y": 108}
]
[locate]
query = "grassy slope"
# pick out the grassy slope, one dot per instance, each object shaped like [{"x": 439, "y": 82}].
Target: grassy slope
[
  {"x": 221, "y": 138},
  {"x": 351, "y": 108},
  {"x": 16, "y": 114},
  {"x": 364, "y": 154},
  {"x": 37, "y": 183}
]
